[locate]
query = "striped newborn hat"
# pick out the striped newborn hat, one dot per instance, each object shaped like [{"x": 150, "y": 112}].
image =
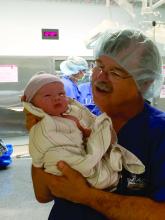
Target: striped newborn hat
[{"x": 36, "y": 82}]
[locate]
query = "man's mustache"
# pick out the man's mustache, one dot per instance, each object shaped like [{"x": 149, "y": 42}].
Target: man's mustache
[{"x": 103, "y": 86}]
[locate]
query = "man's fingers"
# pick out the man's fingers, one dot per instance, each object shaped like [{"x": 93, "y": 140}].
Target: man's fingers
[
  {"x": 67, "y": 170},
  {"x": 30, "y": 119},
  {"x": 23, "y": 98}
]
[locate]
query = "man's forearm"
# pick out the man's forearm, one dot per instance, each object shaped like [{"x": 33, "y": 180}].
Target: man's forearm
[
  {"x": 72, "y": 186},
  {"x": 120, "y": 207},
  {"x": 41, "y": 190}
]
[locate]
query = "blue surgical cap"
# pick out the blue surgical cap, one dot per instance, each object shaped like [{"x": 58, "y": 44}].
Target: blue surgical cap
[
  {"x": 73, "y": 65},
  {"x": 137, "y": 54}
]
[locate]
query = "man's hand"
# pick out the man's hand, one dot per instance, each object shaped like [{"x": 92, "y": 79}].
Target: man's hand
[
  {"x": 71, "y": 186},
  {"x": 30, "y": 119}
]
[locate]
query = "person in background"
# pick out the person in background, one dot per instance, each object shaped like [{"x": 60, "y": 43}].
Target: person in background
[
  {"x": 128, "y": 72},
  {"x": 73, "y": 70},
  {"x": 86, "y": 97}
]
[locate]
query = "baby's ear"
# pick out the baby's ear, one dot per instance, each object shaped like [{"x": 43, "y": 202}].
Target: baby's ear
[{"x": 23, "y": 98}]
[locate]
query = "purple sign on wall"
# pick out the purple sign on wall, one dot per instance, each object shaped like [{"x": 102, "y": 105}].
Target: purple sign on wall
[{"x": 50, "y": 34}]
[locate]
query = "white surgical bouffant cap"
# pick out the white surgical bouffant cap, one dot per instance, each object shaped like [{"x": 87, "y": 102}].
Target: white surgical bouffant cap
[
  {"x": 73, "y": 65},
  {"x": 137, "y": 54},
  {"x": 36, "y": 82}
]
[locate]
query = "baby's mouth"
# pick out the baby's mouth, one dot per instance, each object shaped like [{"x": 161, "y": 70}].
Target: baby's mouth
[{"x": 57, "y": 105}]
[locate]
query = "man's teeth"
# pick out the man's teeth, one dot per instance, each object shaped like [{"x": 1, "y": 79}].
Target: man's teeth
[{"x": 103, "y": 86}]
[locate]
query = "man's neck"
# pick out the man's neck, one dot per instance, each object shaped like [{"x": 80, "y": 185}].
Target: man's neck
[
  {"x": 74, "y": 79},
  {"x": 125, "y": 113}
]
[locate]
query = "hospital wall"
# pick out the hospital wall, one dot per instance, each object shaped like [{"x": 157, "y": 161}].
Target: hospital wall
[
  {"x": 21, "y": 43},
  {"x": 21, "y": 22}
]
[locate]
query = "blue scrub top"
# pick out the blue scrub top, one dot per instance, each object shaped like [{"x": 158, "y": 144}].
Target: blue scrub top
[
  {"x": 71, "y": 88},
  {"x": 143, "y": 135},
  {"x": 86, "y": 93}
]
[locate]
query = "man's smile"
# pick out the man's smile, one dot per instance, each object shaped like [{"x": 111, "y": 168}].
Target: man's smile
[{"x": 102, "y": 86}]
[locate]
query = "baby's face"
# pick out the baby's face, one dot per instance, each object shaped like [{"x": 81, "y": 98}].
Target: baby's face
[{"x": 51, "y": 99}]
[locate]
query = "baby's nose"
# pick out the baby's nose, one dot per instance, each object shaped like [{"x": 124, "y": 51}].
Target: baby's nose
[{"x": 55, "y": 97}]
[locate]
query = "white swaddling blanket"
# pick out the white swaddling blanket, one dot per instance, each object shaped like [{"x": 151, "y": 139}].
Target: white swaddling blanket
[{"x": 56, "y": 138}]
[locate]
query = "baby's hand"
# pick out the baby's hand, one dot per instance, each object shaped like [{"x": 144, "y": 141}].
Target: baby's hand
[{"x": 86, "y": 131}]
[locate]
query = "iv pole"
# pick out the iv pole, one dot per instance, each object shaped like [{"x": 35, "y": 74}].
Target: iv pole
[{"x": 154, "y": 100}]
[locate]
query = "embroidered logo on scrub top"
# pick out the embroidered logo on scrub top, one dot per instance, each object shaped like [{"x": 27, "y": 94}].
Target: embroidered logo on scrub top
[{"x": 135, "y": 182}]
